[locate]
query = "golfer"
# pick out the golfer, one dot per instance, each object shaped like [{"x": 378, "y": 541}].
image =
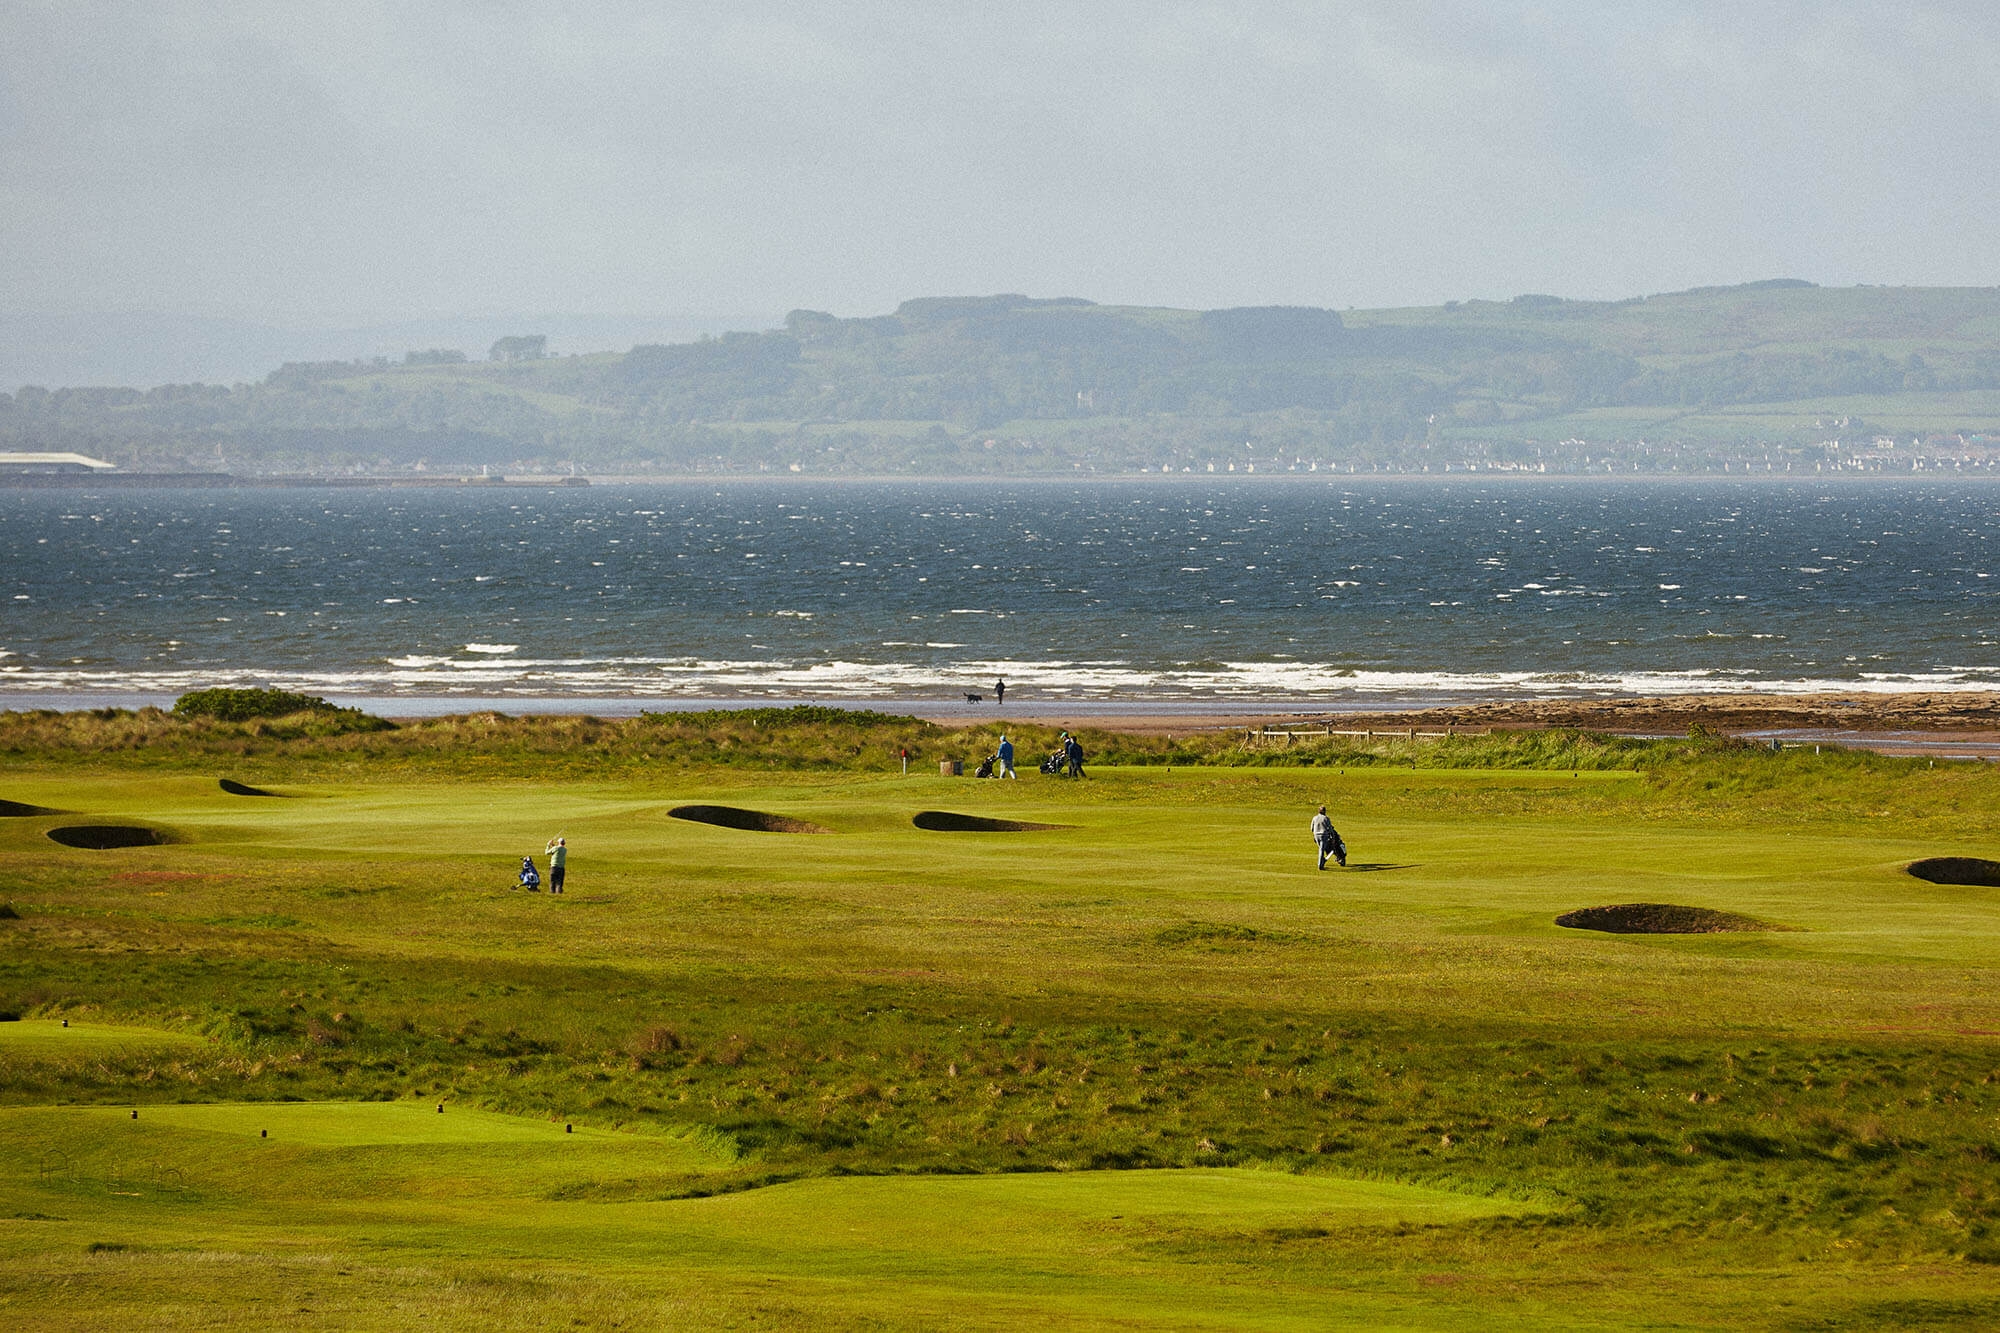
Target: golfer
[
  {"x": 559, "y": 860},
  {"x": 1006, "y": 757},
  {"x": 1327, "y": 838}
]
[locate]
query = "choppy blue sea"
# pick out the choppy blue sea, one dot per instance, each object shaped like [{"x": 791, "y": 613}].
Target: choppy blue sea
[{"x": 1339, "y": 593}]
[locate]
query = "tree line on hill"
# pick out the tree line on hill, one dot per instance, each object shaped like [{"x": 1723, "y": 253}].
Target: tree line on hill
[{"x": 1011, "y": 383}]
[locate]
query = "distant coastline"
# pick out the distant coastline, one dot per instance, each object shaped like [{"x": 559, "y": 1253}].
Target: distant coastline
[
  {"x": 1777, "y": 374},
  {"x": 1455, "y": 476}
]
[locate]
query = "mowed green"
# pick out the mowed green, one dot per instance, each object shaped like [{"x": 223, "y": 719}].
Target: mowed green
[
  {"x": 54, "y": 1039},
  {"x": 376, "y": 1182},
  {"x": 876, "y": 1077},
  {"x": 1462, "y": 871}
]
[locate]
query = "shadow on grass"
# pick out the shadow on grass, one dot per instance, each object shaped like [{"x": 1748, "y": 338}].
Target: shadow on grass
[
  {"x": 235, "y": 788},
  {"x": 1967, "y": 871},
  {"x": 109, "y": 837},
  {"x": 22, "y": 810},
  {"x": 750, "y": 821},
  {"x": 946, "y": 821}
]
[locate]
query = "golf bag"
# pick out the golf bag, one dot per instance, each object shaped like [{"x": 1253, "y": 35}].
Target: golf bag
[
  {"x": 1336, "y": 848},
  {"x": 985, "y": 769},
  {"x": 531, "y": 878},
  {"x": 1056, "y": 764}
]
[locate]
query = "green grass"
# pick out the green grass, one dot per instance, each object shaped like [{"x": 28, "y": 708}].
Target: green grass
[
  {"x": 379, "y": 1180},
  {"x": 1154, "y": 1068},
  {"x": 50, "y": 1038}
]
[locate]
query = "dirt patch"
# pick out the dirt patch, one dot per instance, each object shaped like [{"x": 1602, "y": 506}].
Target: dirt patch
[
  {"x": 105, "y": 837},
  {"x": 1660, "y": 919},
  {"x": 754, "y": 821},
  {"x": 1973, "y": 871},
  {"x": 235, "y": 788},
  {"x": 945, "y": 821},
  {"x": 22, "y": 810}
]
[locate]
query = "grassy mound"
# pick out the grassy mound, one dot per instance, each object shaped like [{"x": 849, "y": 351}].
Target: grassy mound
[
  {"x": 946, "y": 821},
  {"x": 1972, "y": 871},
  {"x": 1659, "y": 919},
  {"x": 109, "y": 837},
  {"x": 753, "y": 821},
  {"x": 235, "y": 788}
]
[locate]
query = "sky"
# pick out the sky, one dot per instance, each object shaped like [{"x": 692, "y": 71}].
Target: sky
[{"x": 326, "y": 165}]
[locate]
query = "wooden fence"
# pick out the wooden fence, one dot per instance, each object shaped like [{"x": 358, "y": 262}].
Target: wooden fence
[{"x": 1291, "y": 736}]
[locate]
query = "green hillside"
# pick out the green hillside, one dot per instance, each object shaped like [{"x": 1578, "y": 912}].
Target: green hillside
[{"x": 1771, "y": 375}]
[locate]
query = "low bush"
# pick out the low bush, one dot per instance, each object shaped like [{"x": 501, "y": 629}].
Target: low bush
[{"x": 245, "y": 705}]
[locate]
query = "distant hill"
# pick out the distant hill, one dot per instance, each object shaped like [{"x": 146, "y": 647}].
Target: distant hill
[
  {"x": 146, "y": 349},
  {"x": 1766, "y": 375}
]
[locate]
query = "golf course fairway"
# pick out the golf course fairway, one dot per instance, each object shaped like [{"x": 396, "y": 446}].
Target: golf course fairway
[{"x": 1096, "y": 1054}]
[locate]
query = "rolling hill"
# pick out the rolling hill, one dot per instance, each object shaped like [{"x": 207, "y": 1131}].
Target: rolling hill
[{"x": 1770, "y": 375}]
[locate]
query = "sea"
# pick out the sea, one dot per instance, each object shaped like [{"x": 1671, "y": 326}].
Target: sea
[{"x": 1157, "y": 596}]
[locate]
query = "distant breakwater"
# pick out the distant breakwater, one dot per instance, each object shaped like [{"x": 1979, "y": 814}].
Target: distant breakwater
[{"x": 223, "y": 480}]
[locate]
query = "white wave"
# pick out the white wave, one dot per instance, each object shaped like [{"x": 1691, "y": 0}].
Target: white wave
[
  {"x": 1045, "y": 681},
  {"x": 492, "y": 647}
]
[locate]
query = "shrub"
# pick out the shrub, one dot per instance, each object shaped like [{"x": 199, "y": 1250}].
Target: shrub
[
  {"x": 235, "y": 705},
  {"x": 307, "y": 714}
]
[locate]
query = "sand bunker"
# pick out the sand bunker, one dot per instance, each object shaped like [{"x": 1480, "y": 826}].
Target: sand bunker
[
  {"x": 235, "y": 788},
  {"x": 104, "y": 837},
  {"x": 22, "y": 810},
  {"x": 756, "y": 821},
  {"x": 1659, "y": 919},
  {"x": 945, "y": 821},
  {"x": 1969, "y": 870}
]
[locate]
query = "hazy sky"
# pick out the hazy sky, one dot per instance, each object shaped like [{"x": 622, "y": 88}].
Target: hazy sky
[{"x": 297, "y": 161}]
